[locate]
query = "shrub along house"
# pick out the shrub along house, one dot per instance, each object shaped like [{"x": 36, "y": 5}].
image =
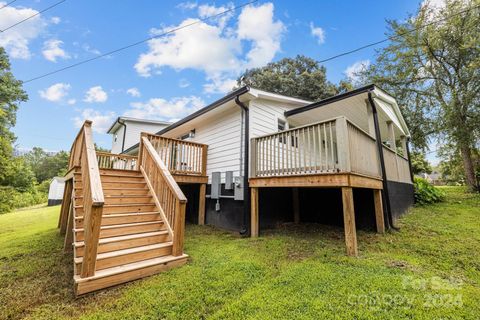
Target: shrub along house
[{"x": 245, "y": 162}]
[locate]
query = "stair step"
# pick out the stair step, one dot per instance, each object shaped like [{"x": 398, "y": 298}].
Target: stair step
[
  {"x": 123, "y": 229},
  {"x": 109, "y": 176},
  {"x": 118, "y": 191},
  {"x": 123, "y": 218},
  {"x": 124, "y": 242},
  {"x": 122, "y": 172},
  {"x": 113, "y": 184},
  {"x": 121, "y": 208},
  {"x": 125, "y": 273},
  {"x": 125, "y": 256},
  {"x": 121, "y": 199}
]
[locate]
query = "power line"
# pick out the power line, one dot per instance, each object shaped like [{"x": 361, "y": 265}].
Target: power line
[
  {"x": 395, "y": 36},
  {"x": 7, "y": 4},
  {"x": 140, "y": 42},
  {"x": 32, "y": 16}
]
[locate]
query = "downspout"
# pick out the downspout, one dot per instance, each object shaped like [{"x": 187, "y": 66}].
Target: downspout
[
  {"x": 409, "y": 160},
  {"x": 124, "y": 134},
  {"x": 387, "y": 212},
  {"x": 246, "y": 189}
]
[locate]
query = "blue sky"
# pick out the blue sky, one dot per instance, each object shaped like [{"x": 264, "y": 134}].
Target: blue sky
[{"x": 173, "y": 76}]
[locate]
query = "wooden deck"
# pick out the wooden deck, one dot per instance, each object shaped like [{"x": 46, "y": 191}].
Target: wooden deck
[{"x": 329, "y": 154}]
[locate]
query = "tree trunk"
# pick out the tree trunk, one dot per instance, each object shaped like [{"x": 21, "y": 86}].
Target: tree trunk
[{"x": 469, "y": 168}]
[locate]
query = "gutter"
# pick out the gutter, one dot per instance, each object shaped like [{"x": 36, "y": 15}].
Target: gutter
[
  {"x": 387, "y": 212},
  {"x": 246, "y": 190}
]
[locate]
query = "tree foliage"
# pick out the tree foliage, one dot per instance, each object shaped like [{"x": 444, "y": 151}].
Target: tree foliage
[
  {"x": 433, "y": 69},
  {"x": 11, "y": 94},
  {"x": 419, "y": 163},
  {"x": 300, "y": 77},
  {"x": 46, "y": 166}
]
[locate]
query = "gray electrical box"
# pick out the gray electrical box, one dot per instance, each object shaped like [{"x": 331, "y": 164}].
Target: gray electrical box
[
  {"x": 216, "y": 185},
  {"x": 238, "y": 188},
  {"x": 229, "y": 180}
]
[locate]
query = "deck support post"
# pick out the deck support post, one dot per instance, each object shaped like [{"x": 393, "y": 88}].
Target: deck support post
[
  {"x": 296, "y": 205},
  {"x": 377, "y": 198},
  {"x": 254, "y": 227},
  {"x": 349, "y": 221},
  {"x": 67, "y": 246},
  {"x": 201, "y": 204}
]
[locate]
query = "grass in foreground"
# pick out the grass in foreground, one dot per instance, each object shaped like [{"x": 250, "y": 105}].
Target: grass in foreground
[{"x": 428, "y": 270}]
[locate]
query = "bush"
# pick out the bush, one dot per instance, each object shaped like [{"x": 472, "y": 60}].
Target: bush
[
  {"x": 11, "y": 199},
  {"x": 426, "y": 193}
]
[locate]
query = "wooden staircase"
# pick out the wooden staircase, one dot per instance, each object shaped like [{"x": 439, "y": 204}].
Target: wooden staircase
[{"x": 130, "y": 227}]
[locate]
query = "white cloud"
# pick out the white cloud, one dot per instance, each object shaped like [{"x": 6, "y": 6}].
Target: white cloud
[
  {"x": 187, "y": 5},
  {"x": 162, "y": 109},
  {"x": 205, "y": 11},
  {"x": 318, "y": 33},
  {"x": 55, "y": 20},
  {"x": 16, "y": 40},
  {"x": 71, "y": 101},
  {"x": 56, "y": 92},
  {"x": 95, "y": 94},
  {"x": 219, "y": 85},
  {"x": 134, "y": 92},
  {"x": 257, "y": 25},
  {"x": 89, "y": 49},
  {"x": 353, "y": 70},
  {"x": 214, "y": 48},
  {"x": 52, "y": 51},
  {"x": 100, "y": 121},
  {"x": 183, "y": 83}
]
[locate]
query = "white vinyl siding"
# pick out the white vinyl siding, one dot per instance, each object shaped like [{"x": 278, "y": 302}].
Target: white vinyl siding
[
  {"x": 134, "y": 129},
  {"x": 222, "y": 134},
  {"x": 264, "y": 116}
]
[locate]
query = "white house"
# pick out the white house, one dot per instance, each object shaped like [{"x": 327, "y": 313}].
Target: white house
[
  {"x": 126, "y": 131},
  {"x": 249, "y": 116}
]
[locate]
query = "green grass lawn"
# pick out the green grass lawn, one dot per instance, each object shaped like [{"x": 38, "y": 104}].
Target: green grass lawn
[{"x": 430, "y": 269}]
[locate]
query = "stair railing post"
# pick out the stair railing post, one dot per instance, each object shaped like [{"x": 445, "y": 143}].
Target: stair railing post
[{"x": 178, "y": 228}]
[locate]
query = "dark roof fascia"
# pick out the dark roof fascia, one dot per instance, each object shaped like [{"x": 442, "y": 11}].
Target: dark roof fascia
[
  {"x": 326, "y": 101},
  {"x": 232, "y": 95}
]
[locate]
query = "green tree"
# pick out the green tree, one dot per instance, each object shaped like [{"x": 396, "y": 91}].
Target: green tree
[
  {"x": 419, "y": 163},
  {"x": 11, "y": 94},
  {"x": 433, "y": 69},
  {"x": 300, "y": 77},
  {"x": 46, "y": 166}
]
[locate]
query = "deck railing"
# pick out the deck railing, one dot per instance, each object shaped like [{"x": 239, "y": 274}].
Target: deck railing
[
  {"x": 167, "y": 195},
  {"x": 107, "y": 160},
  {"x": 396, "y": 166},
  {"x": 335, "y": 145},
  {"x": 179, "y": 156},
  {"x": 83, "y": 155}
]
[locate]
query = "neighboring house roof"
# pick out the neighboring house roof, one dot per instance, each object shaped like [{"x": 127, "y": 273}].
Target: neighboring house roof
[
  {"x": 252, "y": 93},
  {"x": 121, "y": 120},
  {"x": 374, "y": 89}
]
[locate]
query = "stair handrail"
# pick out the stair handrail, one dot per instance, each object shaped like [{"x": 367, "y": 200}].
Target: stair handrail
[
  {"x": 167, "y": 195},
  {"x": 83, "y": 155}
]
